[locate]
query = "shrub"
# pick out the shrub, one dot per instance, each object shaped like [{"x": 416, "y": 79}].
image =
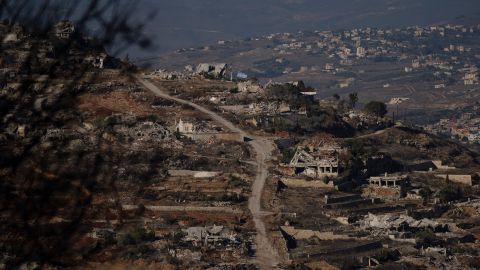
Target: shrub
[
  {"x": 136, "y": 236},
  {"x": 376, "y": 108},
  {"x": 385, "y": 255},
  {"x": 450, "y": 192},
  {"x": 326, "y": 180},
  {"x": 287, "y": 155},
  {"x": 236, "y": 182},
  {"x": 426, "y": 239}
]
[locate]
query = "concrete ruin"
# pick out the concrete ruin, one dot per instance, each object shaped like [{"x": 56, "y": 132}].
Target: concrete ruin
[
  {"x": 464, "y": 179},
  {"x": 64, "y": 30},
  {"x": 249, "y": 87},
  {"x": 386, "y": 187},
  {"x": 97, "y": 61},
  {"x": 143, "y": 131},
  {"x": 184, "y": 127},
  {"x": 388, "y": 181},
  {"x": 210, "y": 236},
  {"x": 318, "y": 161},
  {"x": 216, "y": 70}
]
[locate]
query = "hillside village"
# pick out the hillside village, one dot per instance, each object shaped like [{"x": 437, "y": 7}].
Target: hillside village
[
  {"x": 105, "y": 165},
  {"x": 403, "y": 67}
]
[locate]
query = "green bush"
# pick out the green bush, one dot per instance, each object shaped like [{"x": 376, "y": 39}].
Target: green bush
[
  {"x": 426, "y": 239},
  {"x": 450, "y": 192},
  {"x": 385, "y": 255},
  {"x": 177, "y": 237},
  {"x": 376, "y": 108},
  {"x": 236, "y": 182},
  {"x": 326, "y": 180},
  {"x": 136, "y": 236},
  {"x": 287, "y": 155}
]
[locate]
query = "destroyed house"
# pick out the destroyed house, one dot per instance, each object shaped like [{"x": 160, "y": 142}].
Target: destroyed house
[
  {"x": 64, "y": 30},
  {"x": 210, "y": 235},
  {"x": 388, "y": 181},
  {"x": 386, "y": 187},
  {"x": 317, "y": 161},
  {"x": 217, "y": 70}
]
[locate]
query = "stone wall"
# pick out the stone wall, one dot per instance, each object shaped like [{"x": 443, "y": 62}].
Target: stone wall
[
  {"x": 195, "y": 174},
  {"x": 301, "y": 183},
  {"x": 231, "y": 136},
  {"x": 286, "y": 170},
  {"x": 457, "y": 178},
  {"x": 382, "y": 192}
]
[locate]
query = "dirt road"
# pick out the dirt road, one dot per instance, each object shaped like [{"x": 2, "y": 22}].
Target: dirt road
[{"x": 266, "y": 255}]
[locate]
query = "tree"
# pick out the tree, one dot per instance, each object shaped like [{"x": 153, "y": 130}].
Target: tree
[
  {"x": 376, "y": 108},
  {"x": 341, "y": 106},
  {"x": 352, "y": 100},
  {"x": 450, "y": 192},
  {"x": 287, "y": 155}
]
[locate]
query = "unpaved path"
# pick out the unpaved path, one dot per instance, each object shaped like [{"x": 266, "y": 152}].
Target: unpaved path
[{"x": 266, "y": 255}]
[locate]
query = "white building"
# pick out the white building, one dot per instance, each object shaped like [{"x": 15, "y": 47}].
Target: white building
[
  {"x": 185, "y": 127},
  {"x": 361, "y": 52}
]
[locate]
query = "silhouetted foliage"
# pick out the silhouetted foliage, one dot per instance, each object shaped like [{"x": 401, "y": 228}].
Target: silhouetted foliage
[
  {"x": 376, "y": 108},
  {"x": 46, "y": 179}
]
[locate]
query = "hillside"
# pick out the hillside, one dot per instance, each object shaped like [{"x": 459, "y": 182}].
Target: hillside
[{"x": 105, "y": 166}]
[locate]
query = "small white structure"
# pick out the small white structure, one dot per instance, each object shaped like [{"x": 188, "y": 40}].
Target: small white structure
[
  {"x": 361, "y": 52},
  {"x": 22, "y": 131},
  {"x": 185, "y": 127},
  {"x": 11, "y": 38}
]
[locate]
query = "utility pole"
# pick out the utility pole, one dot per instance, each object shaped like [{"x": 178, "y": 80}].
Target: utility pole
[{"x": 397, "y": 108}]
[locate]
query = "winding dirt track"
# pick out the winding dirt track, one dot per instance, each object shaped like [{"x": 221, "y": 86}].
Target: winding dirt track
[{"x": 266, "y": 255}]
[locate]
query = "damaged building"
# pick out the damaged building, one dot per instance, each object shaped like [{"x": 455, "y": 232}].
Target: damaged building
[
  {"x": 215, "y": 70},
  {"x": 64, "y": 30},
  {"x": 386, "y": 187},
  {"x": 318, "y": 159},
  {"x": 210, "y": 236}
]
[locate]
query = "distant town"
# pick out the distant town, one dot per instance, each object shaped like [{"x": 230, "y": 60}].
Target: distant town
[{"x": 405, "y": 68}]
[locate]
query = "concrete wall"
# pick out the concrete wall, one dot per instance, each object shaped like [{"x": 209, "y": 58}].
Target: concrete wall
[
  {"x": 330, "y": 200},
  {"x": 286, "y": 170},
  {"x": 440, "y": 166},
  {"x": 457, "y": 178},
  {"x": 360, "y": 248},
  {"x": 301, "y": 183},
  {"x": 195, "y": 174},
  {"x": 236, "y": 137},
  {"x": 300, "y": 234}
]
